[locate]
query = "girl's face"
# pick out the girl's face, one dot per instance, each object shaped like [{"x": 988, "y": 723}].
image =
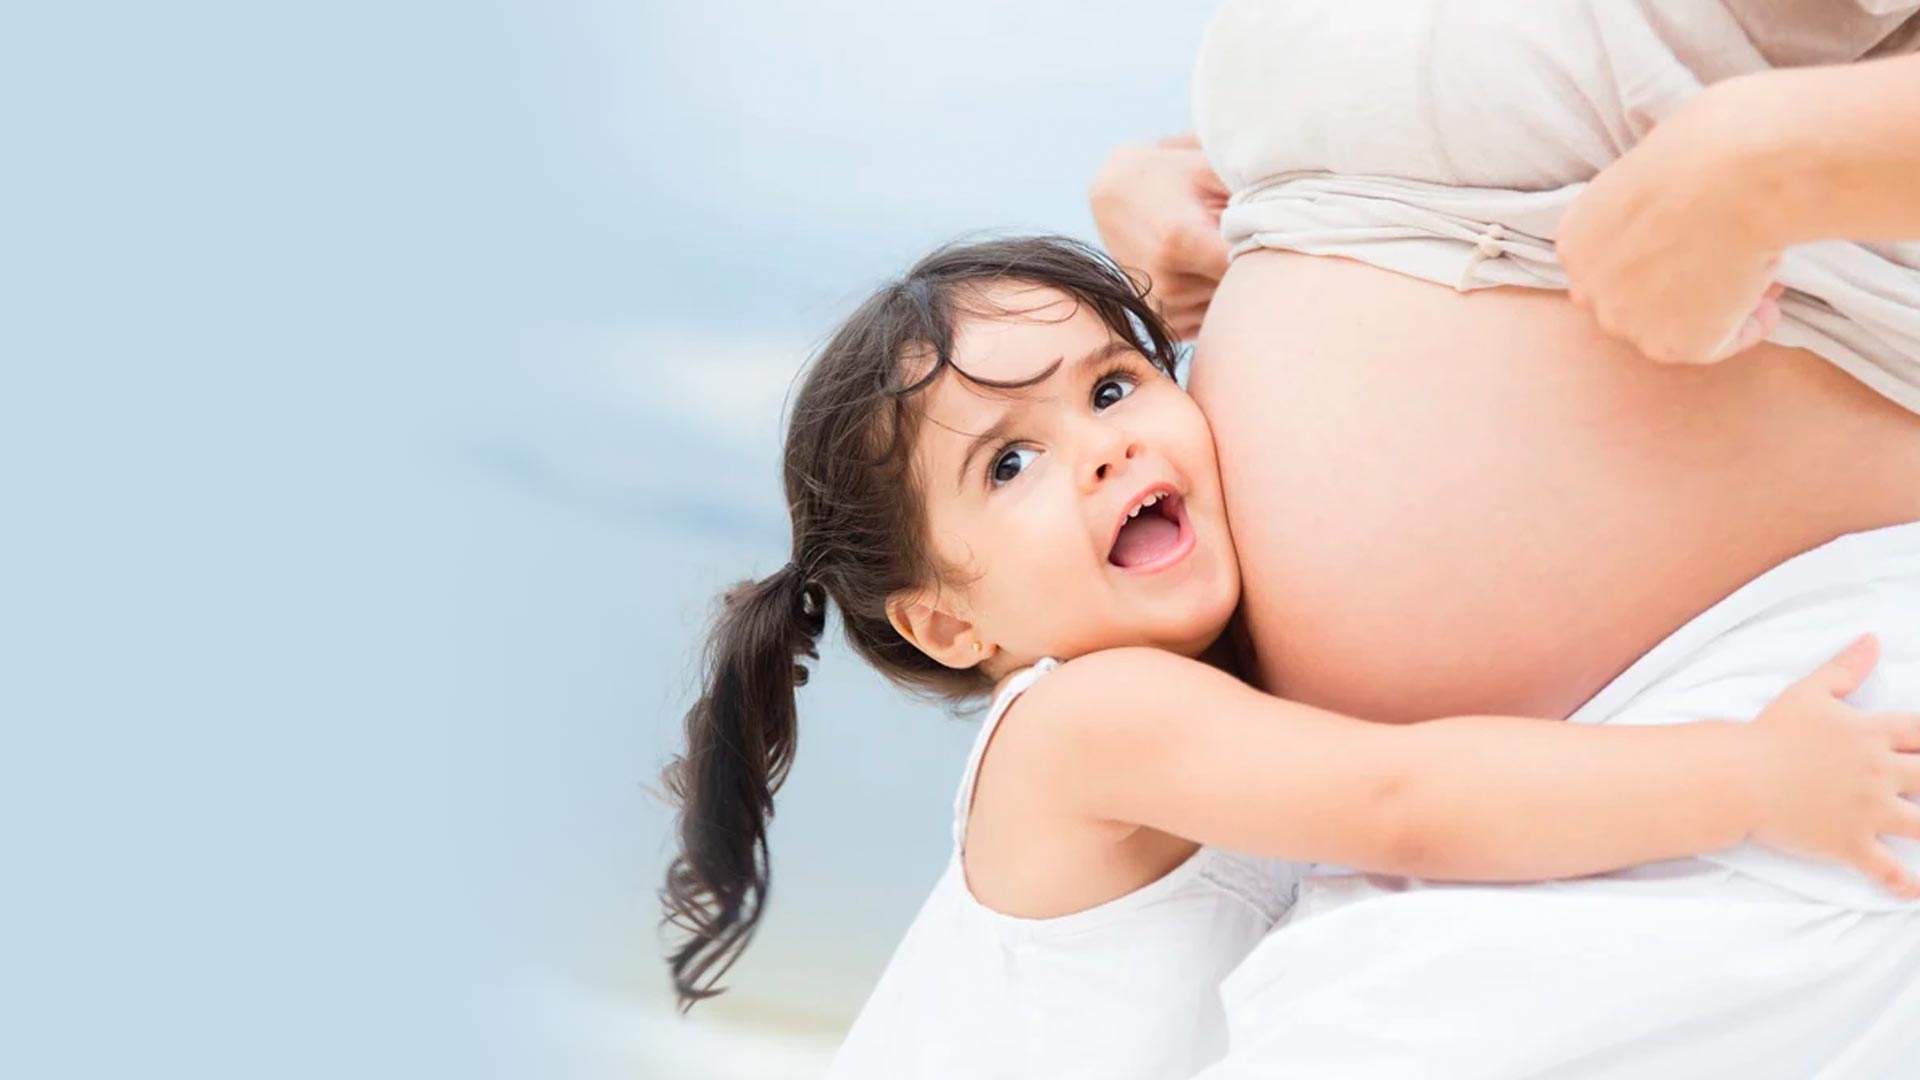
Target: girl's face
[{"x": 1079, "y": 513}]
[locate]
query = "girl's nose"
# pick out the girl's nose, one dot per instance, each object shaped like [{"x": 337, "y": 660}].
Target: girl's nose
[{"x": 1111, "y": 459}]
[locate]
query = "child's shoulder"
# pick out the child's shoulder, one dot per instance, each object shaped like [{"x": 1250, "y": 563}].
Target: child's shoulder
[
  {"x": 1045, "y": 715},
  {"x": 1030, "y": 843},
  {"x": 1067, "y": 704},
  {"x": 1051, "y": 684}
]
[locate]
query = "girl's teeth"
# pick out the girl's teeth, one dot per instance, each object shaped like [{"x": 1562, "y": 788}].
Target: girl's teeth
[{"x": 1144, "y": 503}]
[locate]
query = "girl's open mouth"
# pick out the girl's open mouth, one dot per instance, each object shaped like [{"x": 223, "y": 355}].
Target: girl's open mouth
[{"x": 1153, "y": 537}]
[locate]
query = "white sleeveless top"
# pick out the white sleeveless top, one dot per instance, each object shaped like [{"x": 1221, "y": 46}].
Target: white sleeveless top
[{"x": 1127, "y": 990}]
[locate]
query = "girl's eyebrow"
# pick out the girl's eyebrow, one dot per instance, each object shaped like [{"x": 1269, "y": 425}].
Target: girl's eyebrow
[{"x": 999, "y": 429}]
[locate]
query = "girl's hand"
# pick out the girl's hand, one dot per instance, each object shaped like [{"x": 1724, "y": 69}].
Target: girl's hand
[
  {"x": 1666, "y": 246},
  {"x": 1831, "y": 777}
]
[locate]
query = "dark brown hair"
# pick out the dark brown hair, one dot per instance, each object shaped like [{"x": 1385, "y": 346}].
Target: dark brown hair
[{"x": 858, "y": 539}]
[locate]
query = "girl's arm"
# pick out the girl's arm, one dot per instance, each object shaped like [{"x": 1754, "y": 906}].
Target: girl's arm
[{"x": 1145, "y": 737}]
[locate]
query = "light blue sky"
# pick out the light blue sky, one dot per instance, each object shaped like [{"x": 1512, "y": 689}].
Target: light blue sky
[{"x": 385, "y": 390}]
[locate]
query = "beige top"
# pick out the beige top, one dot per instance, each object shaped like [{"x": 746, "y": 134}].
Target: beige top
[{"x": 1443, "y": 139}]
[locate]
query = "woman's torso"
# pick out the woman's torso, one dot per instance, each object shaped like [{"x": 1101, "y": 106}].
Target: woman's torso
[{"x": 1450, "y": 503}]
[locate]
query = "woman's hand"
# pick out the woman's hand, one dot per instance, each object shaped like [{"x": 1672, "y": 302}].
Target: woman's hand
[
  {"x": 1157, "y": 207},
  {"x": 1671, "y": 245},
  {"x": 1666, "y": 246},
  {"x": 1831, "y": 778}
]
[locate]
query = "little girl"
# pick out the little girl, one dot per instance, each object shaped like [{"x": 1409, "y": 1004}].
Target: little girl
[{"x": 994, "y": 476}]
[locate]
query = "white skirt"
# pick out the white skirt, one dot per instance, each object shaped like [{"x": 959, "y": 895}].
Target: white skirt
[{"x": 1746, "y": 963}]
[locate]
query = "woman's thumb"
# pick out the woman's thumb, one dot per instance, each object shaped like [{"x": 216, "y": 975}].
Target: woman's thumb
[{"x": 1754, "y": 329}]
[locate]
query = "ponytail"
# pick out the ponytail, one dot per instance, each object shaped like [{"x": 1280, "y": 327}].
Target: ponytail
[
  {"x": 860, "y": 534},
  {"x": 740, "y": 740}
]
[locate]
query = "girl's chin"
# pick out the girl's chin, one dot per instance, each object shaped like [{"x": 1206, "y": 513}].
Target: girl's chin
[
  {"x": 1197, "y": 629},
  {"x": 1203, "y": 646},
  {"x": 1194, "y": 639}
]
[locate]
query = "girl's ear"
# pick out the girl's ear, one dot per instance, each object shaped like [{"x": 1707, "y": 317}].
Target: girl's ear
[{"x": 938, "y": 631}]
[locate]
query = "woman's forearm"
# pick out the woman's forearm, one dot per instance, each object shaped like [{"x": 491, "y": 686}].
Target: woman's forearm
[
  {"x": 1824, "y": 153},
  {"x": 1675, "y": 245},
  {"x": 1502, "y": 799}
]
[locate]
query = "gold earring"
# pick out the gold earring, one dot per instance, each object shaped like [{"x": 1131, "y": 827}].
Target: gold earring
[{"x": 976, "y": 646}]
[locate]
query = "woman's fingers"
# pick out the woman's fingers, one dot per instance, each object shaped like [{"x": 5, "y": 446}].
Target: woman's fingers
[
  {"x": 1749, "y": 333},
  {"x": 1880, "y": 864},
  {"x": 1759, "y": 323},
  {"x": 1185, "y": 316},
  {"x": 1182, "y": 300},
  {"x": 1199, "y": 251},
  {"x": 1176, "y": 291}
]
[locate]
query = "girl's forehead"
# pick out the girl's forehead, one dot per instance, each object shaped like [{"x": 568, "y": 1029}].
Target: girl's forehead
[
  {"x": 1028, "y": 358},
  {"x": 1022, "y": 330}
]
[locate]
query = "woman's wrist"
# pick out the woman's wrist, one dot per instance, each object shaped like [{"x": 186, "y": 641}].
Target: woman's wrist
[
  {"x": 1755, "y": 170},
  {"x": 1818, "y": 153}
]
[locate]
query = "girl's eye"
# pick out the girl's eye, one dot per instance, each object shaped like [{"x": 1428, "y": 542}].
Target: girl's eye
[
  {"x": 1010, "y": 464},
  {"x": 1110, "y": 390}
]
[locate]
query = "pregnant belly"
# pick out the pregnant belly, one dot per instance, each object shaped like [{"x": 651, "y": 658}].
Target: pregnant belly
[{"x": 1449, "y": 503}]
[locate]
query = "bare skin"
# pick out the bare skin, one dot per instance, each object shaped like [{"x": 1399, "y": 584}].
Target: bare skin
[{"x": 1449, "y": 503}]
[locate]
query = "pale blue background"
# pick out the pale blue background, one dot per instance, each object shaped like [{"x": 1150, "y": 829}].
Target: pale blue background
[{"x": 385, "y": 390}]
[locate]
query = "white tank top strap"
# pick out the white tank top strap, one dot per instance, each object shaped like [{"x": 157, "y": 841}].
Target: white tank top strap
[{"x": 1016, "y": 685}]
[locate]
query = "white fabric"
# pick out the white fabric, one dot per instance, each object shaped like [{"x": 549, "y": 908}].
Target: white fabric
[
  {"x": 1732, "y": 659},
  {"x": 1127, "y": 990},
  {"x": 1744, "y": 964},
  {"x": 1443, "y": 139}
]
